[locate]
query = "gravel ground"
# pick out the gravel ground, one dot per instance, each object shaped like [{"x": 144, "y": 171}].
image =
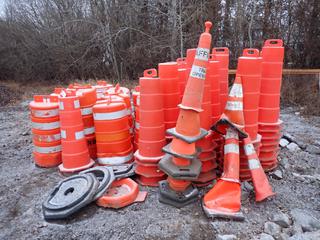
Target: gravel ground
[{"x": 23, "y": 187}]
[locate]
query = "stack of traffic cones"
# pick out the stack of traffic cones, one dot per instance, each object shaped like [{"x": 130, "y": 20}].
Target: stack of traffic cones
[
  {"x": 151, "y": 130},
  {"x": 75, "y": 154},
  {"x": 181, "y": 163},
  {"x": 269, "y": 105},
  {"x": 113, "y": 138},
  {"x": 221, "y": 54},
  {"x": 249, "y": 69},
  {"x": 169, "y": 80}
]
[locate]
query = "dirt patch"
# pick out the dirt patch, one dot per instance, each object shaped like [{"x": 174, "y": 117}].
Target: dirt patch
[{"x": 9, "y": 95}]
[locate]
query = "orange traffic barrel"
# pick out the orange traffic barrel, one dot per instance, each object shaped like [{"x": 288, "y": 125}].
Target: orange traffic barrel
[
  {"x": 182, "y": 74},
  {"x": 122, "y": 193},
  {"x": 169, "y": 83},
  {"x": 75, "y": 154},
  {"x": 101, "y": 89},
  {"x": 113, "y": 138},
  {"x": 46, "y": 131},
  {"x": 221, "y": 54},
  {"x": 271, "y": 77}
]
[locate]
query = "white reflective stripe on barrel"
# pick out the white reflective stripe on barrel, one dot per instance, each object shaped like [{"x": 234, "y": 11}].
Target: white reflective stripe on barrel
[
  {"x": 129, "y": 111},
  {"x": 45, "y": 113},
  {"x": 236, "y": 90},
  {"x": 231, "y": 134},
  {"x": 234, "y": 106},
  {"x": 47, "y": 138},
  {"x": 47, "y": 149},
  {"x": 79, "y": 135},
  {"x": 46, "y": 126},
  {"x": 76, "y": 104},
  {"x": 115, "y": 160},
  {"x": 231, "y": 148},
  {"x": 137, "y": 125},
  {"x": 254, "y": 164},
  {"x": 86, "y": 111},
  {"x": 110, "y": 115},
  {"x": 63, "y": 134},
  {"x": 249, "y": 149},
  {"x": 198, "y": 72},
  {"x": 138, "y": 100},
  {"x": 202, "y": 54},
  {"x": 61, "y": 106},
  {"x": 88, "y": 131}
]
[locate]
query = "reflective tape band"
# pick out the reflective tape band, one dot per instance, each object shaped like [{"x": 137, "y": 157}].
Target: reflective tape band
[
  {"x": 79, "y": 135},
  {"x": 231, "y": 134},
  {"x": 198, "y": 72},
  {"x": 110, "y": 116},
  {"x": 76, "y": 104},
  {"x": 86, "y": 111},
  {"x": 63, "y": 134},
  {"x": 231, "y": 148},
  {"x": 202, "y": 54},
  {"x": 254, "y": 164},
  {"x": 129, "y": 111},
  {"x": 137, "y": 125},
  {"x": 88, "y": 131},
  {"x": 45, "y": 113},
  {"x": 46, "y": 126},
  {"x": 236, "y": 90},
  {"x": 47, "y": 138},
  {"x": 234, "y": 106},
  {"x": 115, "y": 160},
  {"x": 131, "y": 130},
  {"x": 249, "y": 149},
  {"x": 47, "y": 149},
  {"x": 138, "y": 100},
  {"x": 61, "y": 106}
]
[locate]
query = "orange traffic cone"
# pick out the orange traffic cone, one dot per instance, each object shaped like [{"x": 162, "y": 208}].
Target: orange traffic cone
[
  {"x": 261, "y": 184},
  {"x": 224, "y": 199},
  {"x": 181, "y": 163},
  {"x": 233, "y": 115}
]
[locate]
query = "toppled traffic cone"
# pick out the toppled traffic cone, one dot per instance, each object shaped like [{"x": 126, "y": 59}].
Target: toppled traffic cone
[
  {"x": 224, "y": 199},
  {"x": 261, "y": 184},
  {"x": 181, "y": 163},
  {"x": 233, "y": 114}
]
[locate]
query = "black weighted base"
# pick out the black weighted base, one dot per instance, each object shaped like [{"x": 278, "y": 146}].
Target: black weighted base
[
  {"x": 188, "y": 139},
  {"x": 177, "y": 199}
]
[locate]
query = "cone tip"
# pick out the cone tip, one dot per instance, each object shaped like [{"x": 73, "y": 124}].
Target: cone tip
[{"x": 208, "y": 25}]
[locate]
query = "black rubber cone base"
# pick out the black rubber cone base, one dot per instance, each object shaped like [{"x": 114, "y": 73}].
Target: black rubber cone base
[
  {"x": 188, "y": 139},
  {"x": 70, "y": 195},
  {"x": 123, "y": 170},
  {"x": 224, "y": 121},
  {"x": 177, "y": 199},
  {"x": 214, "y": 213},
  {"x": 167, "y": 149},
  {"x": 190, "y": 172}
]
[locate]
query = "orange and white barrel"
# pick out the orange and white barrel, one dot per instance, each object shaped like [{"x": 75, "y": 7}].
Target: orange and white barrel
[
  {"x": 113, "y": 138},
  {"x": 46, "y": 131}
]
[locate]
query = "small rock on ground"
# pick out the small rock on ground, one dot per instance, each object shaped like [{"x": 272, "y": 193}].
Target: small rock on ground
[
  {"x": 293, "y": 147},
  {"x": 264, "y": 236},
  {"x": 306, "y": 236},
  {"x": 283, "y": 142},
  {"x": 305, "y": 219},
  {"x": 227, "y": 237},
  {"x": 277, "y": 174},
  {"x": 282, "y": 220},
  {"x": 272, "y": 228}
]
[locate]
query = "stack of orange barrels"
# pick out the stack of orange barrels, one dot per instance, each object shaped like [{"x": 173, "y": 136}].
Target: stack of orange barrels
[
  {"x": 46, "y": 131},
  {"x": 269, "y": 106},
  {"x": 249, "y": 69},
  {"x": 112, "y": 129},
  {"x": 75, "y": 154},
  {"x": 101, "y": 89},
  {"x": 151, "y": 130},
  {"x": 169, "y": 80}
]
